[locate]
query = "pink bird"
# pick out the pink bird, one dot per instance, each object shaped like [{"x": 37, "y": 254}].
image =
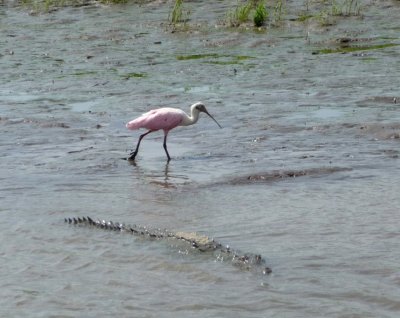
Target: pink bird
[{"x": 166, "y": 119}]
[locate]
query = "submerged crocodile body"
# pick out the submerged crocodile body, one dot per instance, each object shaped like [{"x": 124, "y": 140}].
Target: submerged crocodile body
[{"x": 245, "y": 261}]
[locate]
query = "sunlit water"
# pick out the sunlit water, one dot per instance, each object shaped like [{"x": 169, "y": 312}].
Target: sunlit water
[{"x": 72, "y": 78}]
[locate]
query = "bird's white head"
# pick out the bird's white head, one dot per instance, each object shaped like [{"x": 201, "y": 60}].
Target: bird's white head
[{"x": 199, "y": 107}]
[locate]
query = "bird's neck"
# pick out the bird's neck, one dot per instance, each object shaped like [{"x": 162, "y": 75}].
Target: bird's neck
[{"x": 192, "y": 119}]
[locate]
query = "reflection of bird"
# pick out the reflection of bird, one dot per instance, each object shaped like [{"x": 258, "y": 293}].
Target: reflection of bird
[{"x": 166, "y": 119}]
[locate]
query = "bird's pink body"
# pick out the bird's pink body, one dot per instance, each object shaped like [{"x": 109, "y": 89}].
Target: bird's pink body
[
  {"x": 166, "y": 119},
  {"x": 156, "y": 119}
]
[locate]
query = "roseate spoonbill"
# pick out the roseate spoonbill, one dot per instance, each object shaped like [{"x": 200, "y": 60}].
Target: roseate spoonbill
[{"x": 166, "y": 119}]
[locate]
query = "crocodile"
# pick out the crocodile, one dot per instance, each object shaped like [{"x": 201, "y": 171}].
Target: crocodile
[{"x": 201, "y": 243}]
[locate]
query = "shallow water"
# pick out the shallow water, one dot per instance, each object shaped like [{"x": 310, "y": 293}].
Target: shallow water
[{"x": 305, "y": 171}]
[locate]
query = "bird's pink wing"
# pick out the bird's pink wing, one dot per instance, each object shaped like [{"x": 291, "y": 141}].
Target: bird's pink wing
[
  {"x": 162, "y": 118},
  {"x": 140, "y": 122}
]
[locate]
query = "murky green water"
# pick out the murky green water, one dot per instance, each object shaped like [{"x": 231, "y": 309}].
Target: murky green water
[{"x": 305, "y": 171}]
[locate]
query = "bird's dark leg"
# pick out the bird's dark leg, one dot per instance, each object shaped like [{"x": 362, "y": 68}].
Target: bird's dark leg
[
  {"x": 134, "y": 153},
  {"x": 165, "y": 145}
]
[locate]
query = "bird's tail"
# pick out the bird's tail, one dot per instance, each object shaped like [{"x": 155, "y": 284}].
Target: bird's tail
[{"x": 133, "y": 125}]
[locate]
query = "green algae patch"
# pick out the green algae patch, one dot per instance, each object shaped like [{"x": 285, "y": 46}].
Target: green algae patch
[
  {"x": 82, "y": 73},
  {"x": 304, "y": 17},
  {"x": 197, "y": 56},
  {"x": 214, "y": 58},
  {"x": 243, "y": 57},
  {"x": 134, "y": 75},
  {"x": 350, "y": 49}
]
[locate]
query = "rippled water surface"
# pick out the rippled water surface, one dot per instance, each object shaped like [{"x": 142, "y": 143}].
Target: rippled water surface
[{"x": 305, "y": 171}]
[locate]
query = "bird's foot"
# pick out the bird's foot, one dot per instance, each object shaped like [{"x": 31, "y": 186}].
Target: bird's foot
[{"x": 132, "y": 156}]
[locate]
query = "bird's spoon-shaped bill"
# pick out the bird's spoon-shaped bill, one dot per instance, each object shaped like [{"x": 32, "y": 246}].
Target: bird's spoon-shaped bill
[{"x": 213, "y": 119}]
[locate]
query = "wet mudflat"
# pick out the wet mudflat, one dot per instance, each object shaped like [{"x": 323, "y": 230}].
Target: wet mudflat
[{"x": 304, "y": 173}]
